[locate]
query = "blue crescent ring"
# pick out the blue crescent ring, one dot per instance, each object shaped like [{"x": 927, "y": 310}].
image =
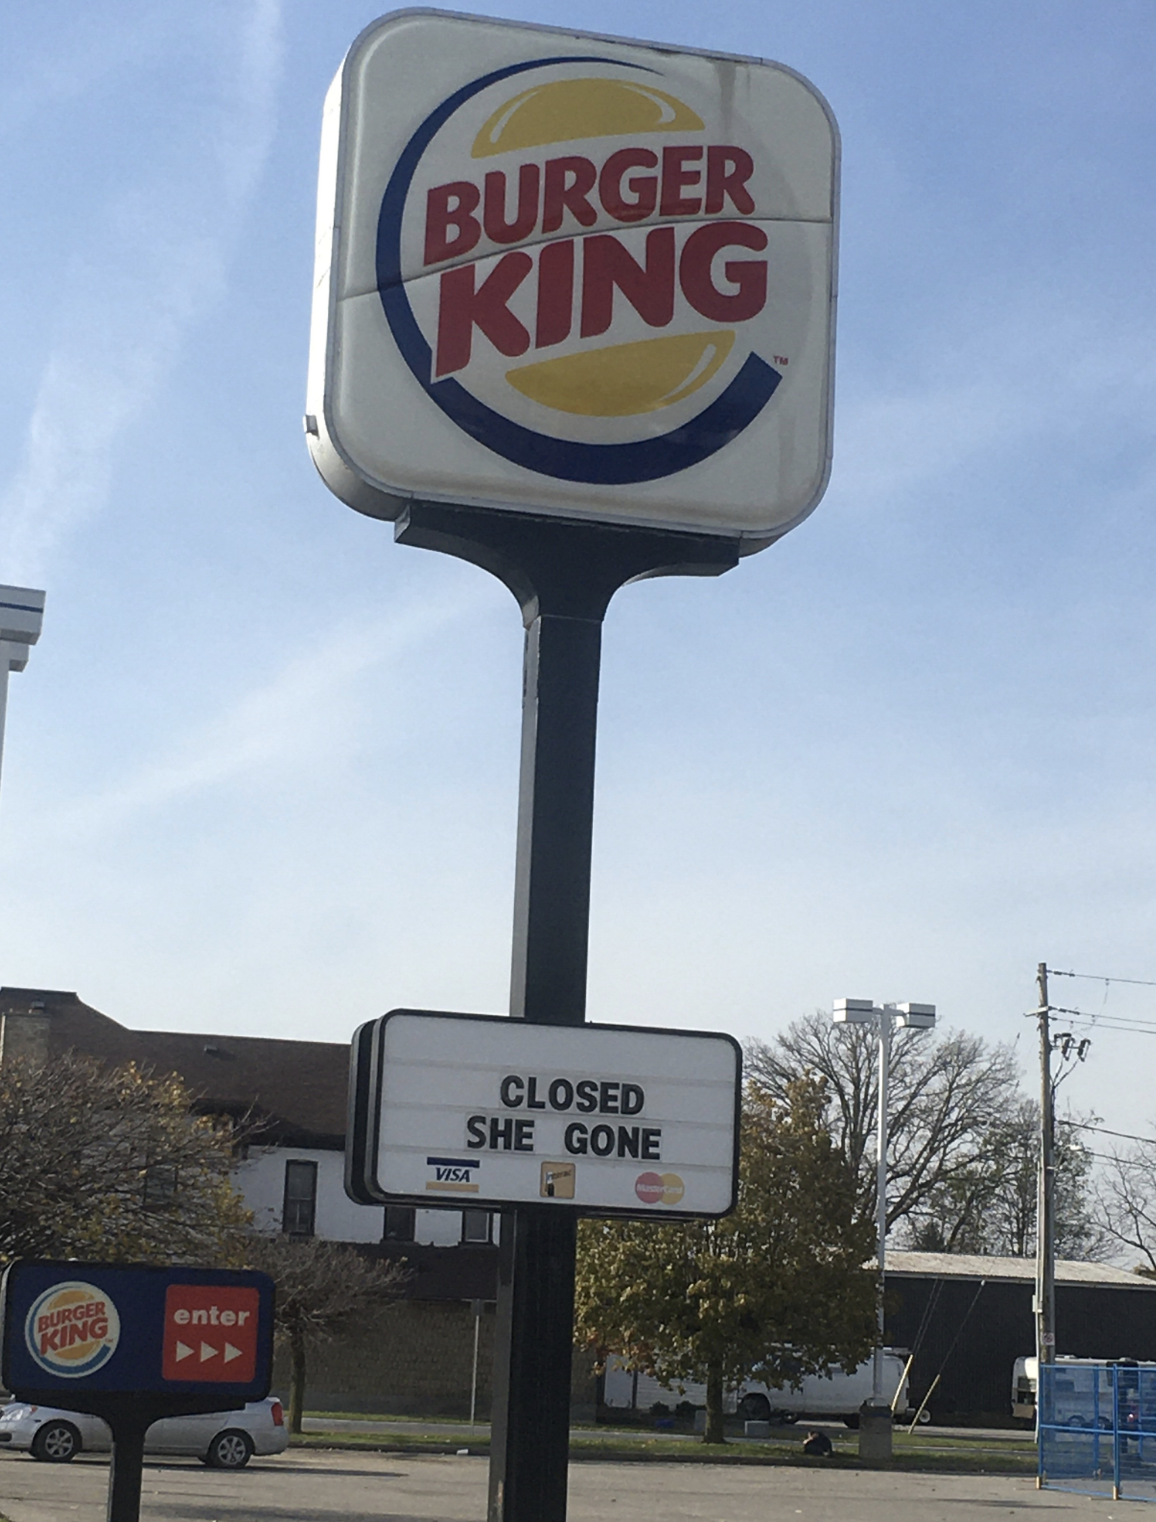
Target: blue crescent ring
[{"x": 605, "y": 464}]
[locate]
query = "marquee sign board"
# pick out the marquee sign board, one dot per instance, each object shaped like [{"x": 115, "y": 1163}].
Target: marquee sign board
[
  {"x": 482, "y": 1110},
  {"x": 574, "y": 275},
  {"x": 81, "y": 1332}
]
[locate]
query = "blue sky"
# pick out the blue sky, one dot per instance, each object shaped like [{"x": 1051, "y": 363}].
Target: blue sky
[{"x": 260, "y": 775}]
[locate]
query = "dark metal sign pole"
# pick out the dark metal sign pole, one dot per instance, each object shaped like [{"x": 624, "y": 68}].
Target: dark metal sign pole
[
  {"x": 124, "y": 1479},
  {"x": 563, "y": 574}
]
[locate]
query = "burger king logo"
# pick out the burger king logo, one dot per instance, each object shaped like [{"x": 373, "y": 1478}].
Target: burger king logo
[
  {"x": 72, "y": 1329},
  {"x": 588, "y": 269}
]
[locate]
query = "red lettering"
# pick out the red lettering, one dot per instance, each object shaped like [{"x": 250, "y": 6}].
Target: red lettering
[
  {"x": 675, "y": 177},
  {"x": 555, "y": 293},
  {"x": 50, "y": 1340},
  {"x": 643, "y": 188},
  {"x": 494, "y": 215},
  {"x": 727, "y": 173},
  {"x": 649, "y": 288},
  {"x": 568, "y": 182},
  {"x": 99, "y": 1329},
  {"x": 451, "y": 207},
  {"x": 750, "y": 275},
  {"x": 462, "y": 308}
]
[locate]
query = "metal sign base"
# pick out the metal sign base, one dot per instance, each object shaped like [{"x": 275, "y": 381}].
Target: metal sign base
[{"x": 563, "y": 574}]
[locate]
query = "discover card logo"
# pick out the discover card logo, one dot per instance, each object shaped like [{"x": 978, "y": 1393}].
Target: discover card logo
[
  {"x": 454, "y": 1175},
  {"x": 571, "y": 260},
  {"x": 72, "y": 1329}
]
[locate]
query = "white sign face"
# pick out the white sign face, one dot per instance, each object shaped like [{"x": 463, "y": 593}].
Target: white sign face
[
  {"x": 572, "y": 274},
  {"x": 613, "y": 1120}
]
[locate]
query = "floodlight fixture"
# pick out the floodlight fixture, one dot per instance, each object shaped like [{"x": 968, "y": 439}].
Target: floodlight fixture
[
  {"x": 21, "y": 615},
  {"x": 853, "y": 1012},
  {"x": 919, "y": 1017}
]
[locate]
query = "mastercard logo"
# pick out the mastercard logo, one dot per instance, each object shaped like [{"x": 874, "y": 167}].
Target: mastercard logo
[
  {"x": 659, "y": 1188},
  {"x": 571, "y": 261},
  {"x": 72, "y": 1329}
]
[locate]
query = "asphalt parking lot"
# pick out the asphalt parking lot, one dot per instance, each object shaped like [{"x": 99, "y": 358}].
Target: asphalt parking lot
[{"x": 348, "y": 1487}]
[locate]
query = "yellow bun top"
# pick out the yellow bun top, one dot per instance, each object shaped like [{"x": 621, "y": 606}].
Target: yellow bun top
[{"x": 569, "y": 109}]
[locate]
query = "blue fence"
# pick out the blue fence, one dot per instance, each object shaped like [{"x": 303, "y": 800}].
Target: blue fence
[{"x": 1097, "y": 1429}]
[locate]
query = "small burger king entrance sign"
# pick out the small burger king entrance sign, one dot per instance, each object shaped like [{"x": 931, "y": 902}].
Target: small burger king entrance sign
[
  {"x": 132, "y": 1343},
  {"x": 551, "y": 266}
]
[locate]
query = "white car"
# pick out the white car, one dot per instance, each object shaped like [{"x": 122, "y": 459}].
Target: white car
[{"x": 222, "y": 1439}]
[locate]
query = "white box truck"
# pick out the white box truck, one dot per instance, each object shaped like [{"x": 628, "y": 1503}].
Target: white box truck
[{"x": 836, "y": 1396}]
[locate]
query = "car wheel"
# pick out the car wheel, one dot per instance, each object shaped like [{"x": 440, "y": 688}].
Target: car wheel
[
  {"x": 230, "y": 1449},
  {"x": 56, "y": 1443},
  {"x": 924, "y": 1417},
  {"x": 754, "y": 1408},
  {"x": 851, "y": 1420}
]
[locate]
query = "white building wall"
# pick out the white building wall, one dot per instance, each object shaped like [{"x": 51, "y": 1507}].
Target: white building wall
[{"x": 261, "y": 1180}]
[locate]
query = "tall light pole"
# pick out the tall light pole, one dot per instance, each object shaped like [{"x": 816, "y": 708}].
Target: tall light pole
[
  {"x": 21, "y": 614},
  {"x": 884, "y": 1017},
  {"x": 1045, "y": 1301}
]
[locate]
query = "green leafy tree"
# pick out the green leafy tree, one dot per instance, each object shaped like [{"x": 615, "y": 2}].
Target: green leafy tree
[
  {"x": 775, "y": 1291},
  {"x": 322, "y": 1289},
  {"x": 111, "y": 1164}
]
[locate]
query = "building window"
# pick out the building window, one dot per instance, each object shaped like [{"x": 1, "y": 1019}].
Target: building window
[
  {"x": 160, "y": 1186},
  {"x": 477, "y": 1226},
  {"x": 400, "y": 1223},
  {"x": 297, "y": 1218}
]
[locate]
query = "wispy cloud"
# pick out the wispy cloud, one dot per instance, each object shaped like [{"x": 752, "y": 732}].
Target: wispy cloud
[
  {"x": 1031, "y": 370},
  {"x": 154, "y": 267},
  {"x": 284, "y": 720}
]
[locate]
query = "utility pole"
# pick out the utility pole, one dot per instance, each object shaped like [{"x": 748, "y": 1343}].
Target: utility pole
[{"x": 1045, "y": 1305}]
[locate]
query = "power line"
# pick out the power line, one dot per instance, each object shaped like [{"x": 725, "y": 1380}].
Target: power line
[
  {"x": 1120, "y": 1162},
  {"x": 1095, "y": 977},
  {"x": 1136, "y": 1023},
  {"x": 1082, "y": 1125}
]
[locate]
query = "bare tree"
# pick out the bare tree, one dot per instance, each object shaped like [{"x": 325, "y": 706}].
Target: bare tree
[
  {"x": 112, "y": 1164},
  {"x": 1127, "y": 1203},
  {"x": 948, "y": 1095},
  {"x": 964, "y": 1138},
  {"x": 990, "y": 1207},
  {"x": 322, "y": 1288}
]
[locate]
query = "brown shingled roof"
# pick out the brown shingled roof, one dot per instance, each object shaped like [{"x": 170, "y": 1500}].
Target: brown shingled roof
[{"x": 297, "y": 1089}]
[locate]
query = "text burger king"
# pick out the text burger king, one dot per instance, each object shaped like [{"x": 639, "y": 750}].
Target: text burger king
[{"x": 574, "y": 275}]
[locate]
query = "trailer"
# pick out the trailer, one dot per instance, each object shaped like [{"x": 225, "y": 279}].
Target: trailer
[{"x": 1079, "y": 1384}]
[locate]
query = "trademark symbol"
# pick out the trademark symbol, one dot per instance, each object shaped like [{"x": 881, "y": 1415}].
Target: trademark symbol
[{"x": 781, "y": 359}]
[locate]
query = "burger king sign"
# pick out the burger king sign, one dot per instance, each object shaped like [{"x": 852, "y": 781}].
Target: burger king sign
[{"x": 573, "y": 275}]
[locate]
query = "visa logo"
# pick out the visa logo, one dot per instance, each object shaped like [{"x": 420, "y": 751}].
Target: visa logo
[{"x": 456, "y": 1174}]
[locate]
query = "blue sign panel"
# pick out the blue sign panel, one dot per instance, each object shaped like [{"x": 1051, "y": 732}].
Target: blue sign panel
[{"x": 81, "y": 1329}]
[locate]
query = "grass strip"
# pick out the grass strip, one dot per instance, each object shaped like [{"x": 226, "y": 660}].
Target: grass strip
[{"x": 667, "y": 1450}]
